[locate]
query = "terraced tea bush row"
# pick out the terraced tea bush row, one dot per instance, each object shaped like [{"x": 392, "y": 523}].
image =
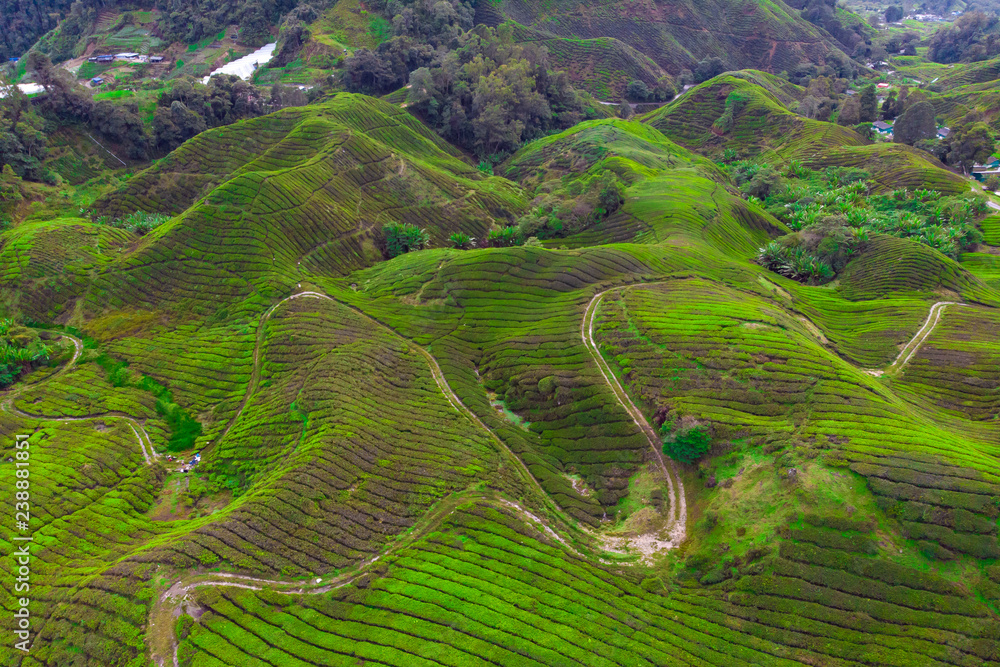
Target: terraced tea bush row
[
  {"x": 89, "y": 492},
  {"x": 483, "y": 589},
  {"x": 956, "y": 368},
  {"x": 734, "y": 364},
  {"x": 504, "y": 320},
  {"x": 345, "y": 442},
  {"x": 308, "y": 194}
]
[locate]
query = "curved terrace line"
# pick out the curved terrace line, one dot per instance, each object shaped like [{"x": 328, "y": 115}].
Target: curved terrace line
[
  {"x": 166, "y": 604},
  {"x": 436, "y": 373}
]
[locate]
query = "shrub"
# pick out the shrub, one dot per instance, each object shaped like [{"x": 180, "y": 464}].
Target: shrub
[
  {"x": 504, "y": 237},
  {"x": 794, "y": 263},
  {"x": 687, "y": 443},
  {"x": 993, "y": 183},
  {"x": 139, "y": 222},
  {"x": 637, "y": 91},
  {"x": 402, "y": 238},
  {"x": 462, "y": 241}
]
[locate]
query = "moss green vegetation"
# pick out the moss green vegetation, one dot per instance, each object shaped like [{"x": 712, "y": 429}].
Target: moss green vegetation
[
  {"x": 768, "y": 35},
  {"x": 602, "y": 66},
  {"x": 765, "y": 128},
  {"x": 432, "y": 440},
  {"x": 579, "y": 177}
]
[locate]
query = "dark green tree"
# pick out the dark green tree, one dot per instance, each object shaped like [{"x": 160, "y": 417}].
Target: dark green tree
[
  {"x": 637, "y": 91},
  {"x": 970, "y": 144},
  {"x": 850, "y": 112},
  {"x": 708, "y": 68},
  {"x": 915, "y": 124},
  {"x": 869, "y": 104},
  {"x": 687, "y": 444}
]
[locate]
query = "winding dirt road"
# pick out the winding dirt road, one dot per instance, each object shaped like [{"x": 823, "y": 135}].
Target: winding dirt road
[
  {"x": 911, "y": 347},
  {"x": 164, "y": 609},
  {"x": 677, "y": 527}
]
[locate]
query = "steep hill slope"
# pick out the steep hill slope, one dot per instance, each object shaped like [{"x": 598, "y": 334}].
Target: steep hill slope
[
  {"x": 676, "y": 35},
  {"x": 749, "y": 112},
  {"x": 301, "y": 190},
  {"x": 671, "y": 192},
  {"x": 454, "y": 457}
]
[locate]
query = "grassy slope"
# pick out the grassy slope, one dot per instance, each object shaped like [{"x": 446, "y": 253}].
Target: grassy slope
[
  {"x": 299, "y": 191},
  {"x": 331, "y": 475},
  {"x": 337, "y": 453},
  {"x": 765, "y": 127},
  {"x": 672, "y": 192},
  {"x": 766, "y": 35}
]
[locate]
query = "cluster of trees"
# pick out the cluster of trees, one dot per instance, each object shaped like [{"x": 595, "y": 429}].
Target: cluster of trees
[
  {"x": 490, "y": 95},
  {"x": 182, "y": 111},
  {"x": 419, "y": 30},
  {"x": 79, "y": 21},
  {"x": 23, "y": 142},
  {"x": 703, "y": 71},
  {"x": 189, "y": 107},
  {"x": 399, "y": 238},
  {"x": 844, "y": 27},
  {"x": 836, "y": 66},
  {"x": 894, "y": 13},
  {"x": 861, "y": 108},
  {"x": 583, "y": 201},
  {"x": 21, "y": 349},
  {"x": 816, "y": 254},
  {"x": 822, "y": 97},
  {"x": 971, "y": 141},
  {"x": 638, "y": 91},
  {"x": 24, "y": 21},
  {"x": 970, "y": 38},
  {"x": 193, "y": 20}
]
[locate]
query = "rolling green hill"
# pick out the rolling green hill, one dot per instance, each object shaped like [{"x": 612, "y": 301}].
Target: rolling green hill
[
  {"x": 623, "y": 442},
  {"x": 303, "y": 190},
  {"x": 749, "y": 112},
  {"x": 768, "y": 36}
]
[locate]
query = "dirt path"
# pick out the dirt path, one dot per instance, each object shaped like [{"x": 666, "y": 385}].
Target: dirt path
[
  {"x": 439, "y": 379},
  {"x": 7, "y": 405},
  {"x": 163, "y": 643},
  {"x": 910, "y": 349},
  {"x": 675, "y": 487}
]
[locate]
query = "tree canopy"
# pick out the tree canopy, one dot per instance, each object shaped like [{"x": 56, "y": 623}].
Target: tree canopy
[
  {"x": 915, "y": 124},
  {"x": 490, "y": 95}
]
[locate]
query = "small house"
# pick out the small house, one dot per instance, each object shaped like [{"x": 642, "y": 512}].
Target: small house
[
  {"x": 156, "y": 59},
  {"x": 96, "y": 81},
  {"x": 107, "y": 58},
  {"x": 882, "y": 127},
  {"x": 943, "y": 133},
  {"x": 12, "y": 60},
  {"x": 126, "y": 56}
]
